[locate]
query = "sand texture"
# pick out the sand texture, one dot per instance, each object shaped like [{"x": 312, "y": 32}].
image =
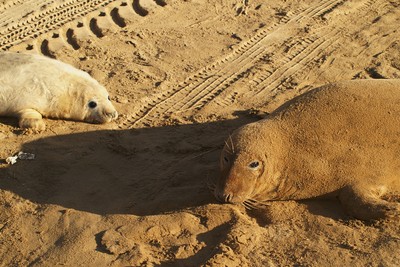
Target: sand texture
[{"x": 182, "y": 75}]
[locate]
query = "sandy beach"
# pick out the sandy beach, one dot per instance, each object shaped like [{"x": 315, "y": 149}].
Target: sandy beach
[{"x": 182, "y": 75}]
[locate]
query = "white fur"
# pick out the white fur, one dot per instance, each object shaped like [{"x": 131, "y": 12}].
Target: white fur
[{"x": 31, "y": 84}]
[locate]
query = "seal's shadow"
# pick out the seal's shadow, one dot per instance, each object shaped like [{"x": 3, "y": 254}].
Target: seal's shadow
[
  {"x": 10, "y": 121},
  {"x": 139, "y": 171}
]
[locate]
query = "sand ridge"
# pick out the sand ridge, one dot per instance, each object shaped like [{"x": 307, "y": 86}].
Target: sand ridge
[{"x": 183, "y": 75}]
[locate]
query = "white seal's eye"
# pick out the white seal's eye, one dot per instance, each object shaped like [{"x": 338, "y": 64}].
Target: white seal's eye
[
  {"x": 92, "y": 104},
  {"x": 254, "y": 164},
  {"x": 109, "y": 98}
]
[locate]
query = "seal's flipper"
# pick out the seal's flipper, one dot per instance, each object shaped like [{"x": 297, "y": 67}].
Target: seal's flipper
[
  {"x": 365, "y": 203},
  {"x": 31, "y": 119}
]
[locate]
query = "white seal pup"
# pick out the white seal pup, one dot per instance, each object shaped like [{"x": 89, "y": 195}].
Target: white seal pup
[
  {"x": 341, "y": 140},
  {"x": 34, "y": 86}
]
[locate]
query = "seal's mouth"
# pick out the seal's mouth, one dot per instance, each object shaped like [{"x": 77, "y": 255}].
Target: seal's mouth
[
  {"x": 228, "y": 198},
  {"x": 248, "y": 203},
  {"x": 103, "y": 117},
  {"x": 218, "y": 193}
]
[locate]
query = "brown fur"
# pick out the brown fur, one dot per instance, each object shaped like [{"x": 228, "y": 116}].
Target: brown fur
[{"x": 341, "y": 139}]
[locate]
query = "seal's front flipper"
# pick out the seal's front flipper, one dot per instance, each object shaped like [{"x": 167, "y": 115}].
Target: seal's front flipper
[
  {"x": 31, "y": 119},
  {"x": 364, "y": 202}
]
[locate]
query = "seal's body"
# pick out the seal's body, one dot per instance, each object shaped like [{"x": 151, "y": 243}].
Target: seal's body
[
  {"x": 32, "y": 86},
  {"x": 341, "y": 139}
]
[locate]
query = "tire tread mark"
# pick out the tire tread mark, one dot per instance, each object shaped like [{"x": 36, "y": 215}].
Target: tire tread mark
[
  {"x": 116, "y": 17},
  {"x": 8, "y": 11},
  {"x": 95, "y": 29},
  {"x": 172, "y": 100},
  {"x": 302, "y": 59},
  {"x": 139, "y": 9},
  {"x": 270, "y": 81},
  {"x": 53, "y": 18},
  {"x": 71, "y": 39},
  {"x": 222, "y": 81},
  {"x": 44, "y": 49},
  {"x": 225, "y": 75}
]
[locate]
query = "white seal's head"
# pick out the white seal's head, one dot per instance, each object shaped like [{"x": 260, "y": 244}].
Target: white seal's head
[
  {"x": 34, "y": 86},
  {"x": 88, "y": 101},
  {"x": 82, "y": 97}
]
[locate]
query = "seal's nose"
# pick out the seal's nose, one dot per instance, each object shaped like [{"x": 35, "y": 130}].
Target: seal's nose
[
  {"x": 225, "y": 197},
  {"x": 228, "y": 198},
  {"x": 114, "y": 115}
]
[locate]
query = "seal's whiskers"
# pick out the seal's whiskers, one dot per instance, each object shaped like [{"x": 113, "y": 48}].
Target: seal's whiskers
[
  {"x": 230, "y": 152},
  {"x": 233, "y": 146},
  {"x": 254, "y": 204},
  {"x": 247, "y": 205}
]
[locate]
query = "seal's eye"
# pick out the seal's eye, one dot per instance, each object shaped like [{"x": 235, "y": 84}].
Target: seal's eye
[
  {"x": 226, "y": 159},
  {"x": 109, "y": 98},
  {"x": 92, "y": 104},
  {"x": 254, "y": 164}
]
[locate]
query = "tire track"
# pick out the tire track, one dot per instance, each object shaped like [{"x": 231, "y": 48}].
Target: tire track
[
  {"x": 272, "y": 81},
  {"x": 269, "y": 83},
  {"x": 204, "y": 86},
  {"x": 96, "y": 25},
  {"x": 9, "y": 12},
  {"x": 49, "y": 16},
  {"x": 47, "y": 20}
]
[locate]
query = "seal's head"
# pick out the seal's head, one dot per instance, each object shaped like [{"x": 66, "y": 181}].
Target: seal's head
[
  {"x": 98, "y": 107},
  {"x": 249, "y": 165},
  {"x": 49, "y": 88},
  {"x": 85, "y": 100}
]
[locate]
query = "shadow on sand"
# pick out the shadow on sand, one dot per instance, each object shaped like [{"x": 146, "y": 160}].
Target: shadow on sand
[{"x": 140, "y": 171}]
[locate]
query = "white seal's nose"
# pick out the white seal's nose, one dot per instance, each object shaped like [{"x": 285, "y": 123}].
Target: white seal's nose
[
  {"x": 111, "y": 115},
  {"x": 114, "y": 115}
]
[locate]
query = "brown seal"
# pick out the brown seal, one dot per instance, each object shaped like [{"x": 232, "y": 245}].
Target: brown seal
[{"x": 341, "y": 140}]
